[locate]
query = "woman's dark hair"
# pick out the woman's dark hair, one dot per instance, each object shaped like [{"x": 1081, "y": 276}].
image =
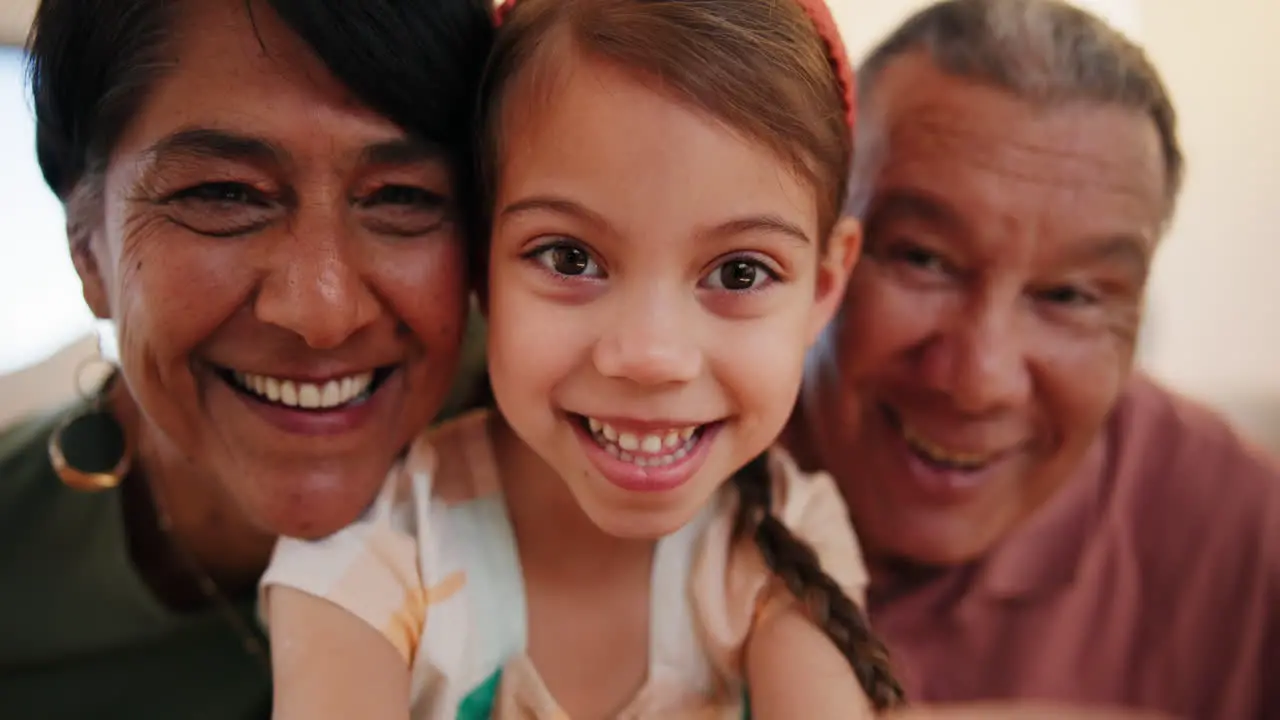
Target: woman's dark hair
[
  {"x": 416, "y": 62},
  {"x": 761, "y": 67}
]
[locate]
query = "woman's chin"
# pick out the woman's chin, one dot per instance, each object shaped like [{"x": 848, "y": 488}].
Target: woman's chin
[{"x": 307, "y": 505}]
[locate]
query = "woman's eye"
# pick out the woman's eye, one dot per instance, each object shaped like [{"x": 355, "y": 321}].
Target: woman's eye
[
  {"x": 221, "y": 209},
  {"x": 739, "y": 275},
  {"x": 404, "y": 210},
  {"x": 404, "y": 195},
  {"x": 230, "y": 193},
  {"x": 567, "y": 259}
]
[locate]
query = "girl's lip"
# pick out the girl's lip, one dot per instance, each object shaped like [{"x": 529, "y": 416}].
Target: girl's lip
[
  {"x": 628, "y": 476},
  {"x": 640, "y": 426}
]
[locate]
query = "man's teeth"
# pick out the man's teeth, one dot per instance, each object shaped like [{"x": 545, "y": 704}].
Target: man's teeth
[
  {"x": 941, "y": 455},
  {"x": 309, "y": 396},
  {"x": 651, "y": 449}
]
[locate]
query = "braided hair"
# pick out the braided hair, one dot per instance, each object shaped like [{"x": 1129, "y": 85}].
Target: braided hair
[
  {"x": 776, "y": 71},
  {"x": 794, "y": 563}
]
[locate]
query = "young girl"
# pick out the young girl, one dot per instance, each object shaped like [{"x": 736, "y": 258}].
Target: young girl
[{"x": 620, "y": 541}]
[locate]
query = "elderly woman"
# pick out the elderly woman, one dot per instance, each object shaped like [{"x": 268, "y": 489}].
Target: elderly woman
[{"x": 269, "y": 199}]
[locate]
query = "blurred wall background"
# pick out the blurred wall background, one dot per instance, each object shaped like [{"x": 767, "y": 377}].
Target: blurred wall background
[{"x": 1213, "y": 328}]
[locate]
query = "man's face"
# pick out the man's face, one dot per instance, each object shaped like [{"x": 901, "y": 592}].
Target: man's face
[{"x": 990, "y": 327}]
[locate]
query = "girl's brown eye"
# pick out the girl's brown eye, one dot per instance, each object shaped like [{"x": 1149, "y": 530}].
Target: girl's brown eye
[
  {"x": 569, "y": 260},
  {"x": 738, "y": 275},
  {"x": 566, "y": 259}
]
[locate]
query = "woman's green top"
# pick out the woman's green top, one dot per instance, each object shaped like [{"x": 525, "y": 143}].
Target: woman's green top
[{"x": 81, "y": 633}]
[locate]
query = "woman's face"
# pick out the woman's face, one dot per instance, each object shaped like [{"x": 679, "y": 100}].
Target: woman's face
[{"x": 285, "y": 271}]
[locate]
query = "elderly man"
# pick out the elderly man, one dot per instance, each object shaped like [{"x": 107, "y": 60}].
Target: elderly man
[{"x": 1042, "y": 521}]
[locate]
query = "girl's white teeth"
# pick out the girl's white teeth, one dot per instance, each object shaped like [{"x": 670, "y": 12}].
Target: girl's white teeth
[
  {"x": 309, "y": 396},
  {"x": 652, "y": 449}
]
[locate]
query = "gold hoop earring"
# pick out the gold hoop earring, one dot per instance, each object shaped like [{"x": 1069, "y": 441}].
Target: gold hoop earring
[{"x": 89, "y": 450}]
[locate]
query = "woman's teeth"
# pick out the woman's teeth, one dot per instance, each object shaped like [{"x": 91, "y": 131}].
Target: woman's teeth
[
  {"x": 651, "y": 449},
  {"x": 308, "y": 396}
]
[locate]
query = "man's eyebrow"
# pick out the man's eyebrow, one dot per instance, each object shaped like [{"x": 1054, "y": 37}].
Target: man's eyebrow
[
  {"x": 1125, "y": 250},
  {"x": 904, "y": 203}
]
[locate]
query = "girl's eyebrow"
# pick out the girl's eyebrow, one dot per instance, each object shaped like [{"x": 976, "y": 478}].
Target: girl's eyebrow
[
  {"x": 736, "y": 226},
  {"x": 760, "y": 223},
  {"x": 555, "y": 204}
]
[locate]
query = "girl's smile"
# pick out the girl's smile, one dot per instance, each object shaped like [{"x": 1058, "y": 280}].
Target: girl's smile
[
  {"x": 646, "y": 456},
  {"x": 659, "y": 265}
]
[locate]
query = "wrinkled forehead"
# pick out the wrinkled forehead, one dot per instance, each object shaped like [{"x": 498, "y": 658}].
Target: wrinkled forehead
[
  {"x": 242, "y": 86},
  {"x": 978, "y": 147}
]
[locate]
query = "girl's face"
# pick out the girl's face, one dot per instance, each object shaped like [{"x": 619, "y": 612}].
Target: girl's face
[{"x": 655, "y": 280}]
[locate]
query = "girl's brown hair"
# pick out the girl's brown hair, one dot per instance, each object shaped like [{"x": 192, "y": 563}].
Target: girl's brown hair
[
  {"x": 760, "y": 66},
  {"x": 763, "y": 68}
]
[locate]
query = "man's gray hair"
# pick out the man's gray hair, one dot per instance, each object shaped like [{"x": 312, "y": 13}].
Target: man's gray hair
[{"x": 1045, "y": 52}]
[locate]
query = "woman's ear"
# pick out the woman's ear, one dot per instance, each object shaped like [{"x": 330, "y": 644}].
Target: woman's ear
[
  {"x": 84, "y": 237},
  {"x": 843, "y": 249},
  {"x": 89, "y": 268}
]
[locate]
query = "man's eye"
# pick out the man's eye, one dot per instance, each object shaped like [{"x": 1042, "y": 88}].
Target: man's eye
[
  {"x": 1066, "y": 296},
  {"x": 918, "y": 257}
]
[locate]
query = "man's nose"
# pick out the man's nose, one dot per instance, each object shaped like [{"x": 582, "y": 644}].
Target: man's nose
[{"x": 979, "y": 360}]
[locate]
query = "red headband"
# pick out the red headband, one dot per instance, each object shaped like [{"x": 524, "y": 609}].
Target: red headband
[{"x": 820, "y": 14}]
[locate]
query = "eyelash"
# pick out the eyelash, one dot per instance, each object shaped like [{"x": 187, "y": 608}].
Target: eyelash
[
  {"x": 230, "y": 197},
  {"x": 539, "y": 255},
  {"x": 916, "y": 257},
  {"x": 250, "y": 195},
  {"x": 246, "y": 194},
  {"x": 910, "y": 254},
  {"x": 771, "y": 276},
  {"x": 1081, "y": 298},
  {"x": 403, "y": 195},
  {"x": 218, "y": 199}
]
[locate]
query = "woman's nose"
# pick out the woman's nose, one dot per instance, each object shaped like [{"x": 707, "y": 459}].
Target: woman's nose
[{"x": 317, "y": 289}]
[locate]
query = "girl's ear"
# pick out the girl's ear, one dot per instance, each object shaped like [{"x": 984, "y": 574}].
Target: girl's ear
[{"x": 844, "y": 248}]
